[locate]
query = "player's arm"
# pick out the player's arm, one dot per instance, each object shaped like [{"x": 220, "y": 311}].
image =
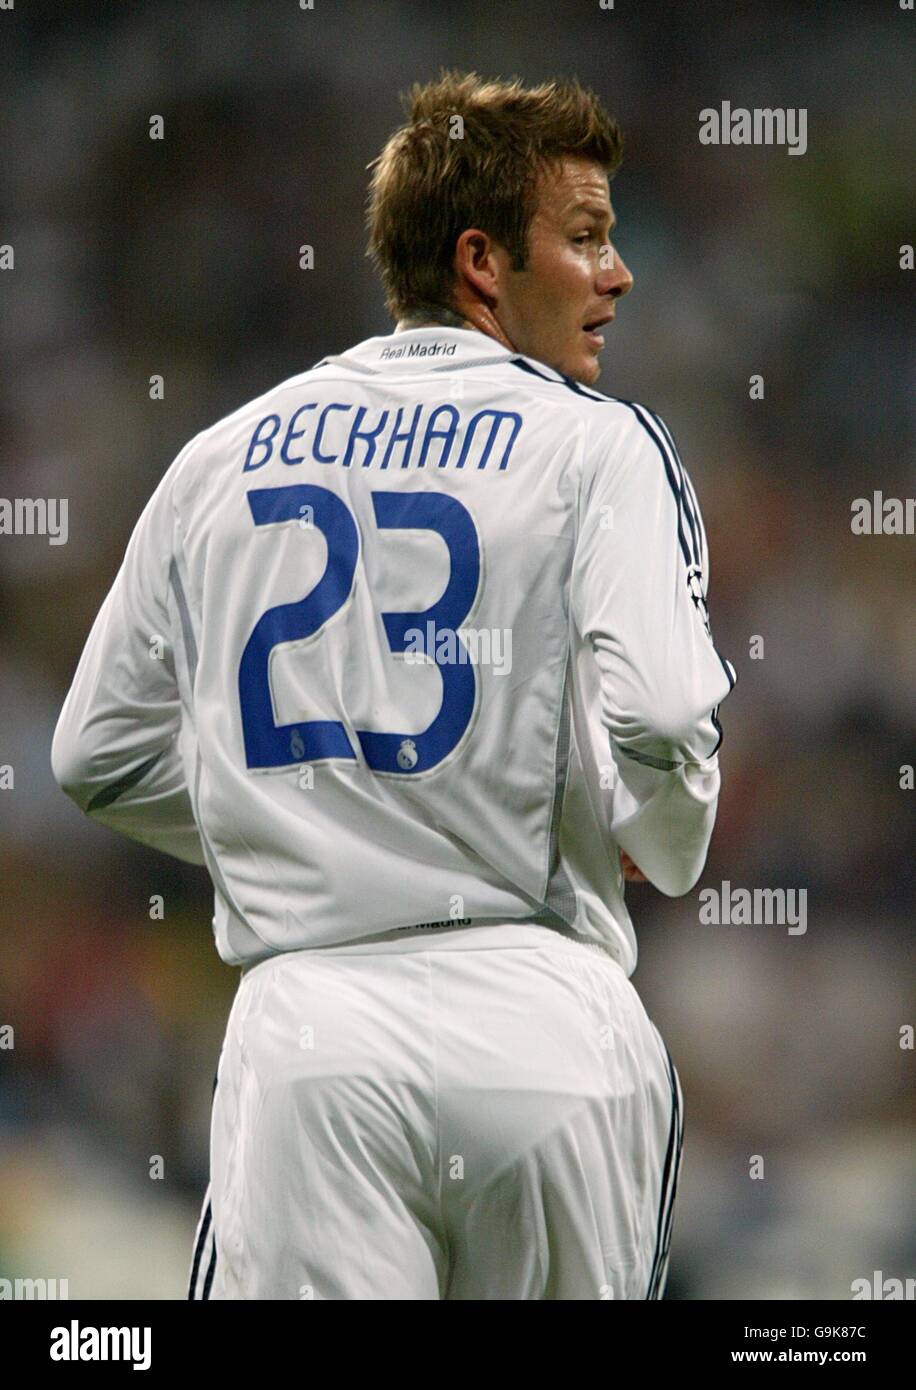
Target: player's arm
[
  {"x": 638, "y": 594},
  {"x": 116, "y": 745}
]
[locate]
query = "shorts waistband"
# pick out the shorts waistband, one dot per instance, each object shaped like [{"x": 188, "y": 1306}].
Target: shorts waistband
[{"x": 484, "y": 936}]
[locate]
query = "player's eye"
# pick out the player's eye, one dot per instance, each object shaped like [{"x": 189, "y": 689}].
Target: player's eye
[{"x": 583, "y": 236}]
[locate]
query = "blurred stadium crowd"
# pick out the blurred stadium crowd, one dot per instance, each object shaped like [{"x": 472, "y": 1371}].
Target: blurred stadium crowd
[{"x": 181, "y": 257}]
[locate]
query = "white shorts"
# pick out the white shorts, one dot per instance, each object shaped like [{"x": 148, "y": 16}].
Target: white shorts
[{"x": 486, "y": 1113}]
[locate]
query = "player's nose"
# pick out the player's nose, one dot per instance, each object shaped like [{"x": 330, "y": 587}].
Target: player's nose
[{"x": 615, "y": 279}]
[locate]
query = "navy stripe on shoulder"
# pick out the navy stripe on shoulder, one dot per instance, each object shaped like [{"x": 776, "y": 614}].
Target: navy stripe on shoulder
[
  {"x": 561, "y": 379},
  {"x": 686, "y": 500},
  {"x": 689, "y": 521},
  {"x": 673, "y": 476},
  {"x": 678, "y": 485},
  {"x": 525, "y": 366},
  {"x": 670, "y": 474},
  {"x": 704, "y": 552}
]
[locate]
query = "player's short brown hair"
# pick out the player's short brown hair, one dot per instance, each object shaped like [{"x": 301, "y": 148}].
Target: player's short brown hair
[{"x": 437, "y": 176}]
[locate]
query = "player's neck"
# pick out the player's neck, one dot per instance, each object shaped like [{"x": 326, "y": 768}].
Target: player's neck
[
  {"x": 430, "y": 315},
  {"x": 480, "y": 319}
]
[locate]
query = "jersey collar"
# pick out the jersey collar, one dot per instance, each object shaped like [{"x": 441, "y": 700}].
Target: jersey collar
[{"x": 421, "y": 350}]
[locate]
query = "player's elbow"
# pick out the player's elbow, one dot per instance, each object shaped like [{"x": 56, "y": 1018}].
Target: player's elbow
[
  {"x": 668, "y": 837},
  {"x": 68, "y": 765},
  {"x": 66, "y": 776},
  {"x": 674, "y": 881},
  {"x": 674, "y": 871}
]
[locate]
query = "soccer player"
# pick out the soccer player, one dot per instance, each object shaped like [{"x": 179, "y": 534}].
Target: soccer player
[{"x": 412, "y": 652}]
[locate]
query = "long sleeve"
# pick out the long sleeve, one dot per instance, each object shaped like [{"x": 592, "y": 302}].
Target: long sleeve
[
  {"x": 116, "y": 748},
  {"x": 639, "y": 601}
]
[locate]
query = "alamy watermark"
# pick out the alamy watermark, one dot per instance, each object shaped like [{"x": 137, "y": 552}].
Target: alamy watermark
[
  {"x": 883, "y": 516},
  {"x": 38, "y": 1290},
  {"x": 462, "y": 646},
  {"x": 78, "y": 1342},
  {"x": 784, "y": 907},
  {"x": 36, "y": 516},
  {"x": 736, "y": 125},
  {"x": 882, "y": 1288}
]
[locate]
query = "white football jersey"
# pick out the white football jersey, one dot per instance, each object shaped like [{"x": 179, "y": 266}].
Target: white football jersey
[{"x": 416, "y": 639}]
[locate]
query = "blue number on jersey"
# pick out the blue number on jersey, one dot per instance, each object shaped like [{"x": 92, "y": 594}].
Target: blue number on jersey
[
  {"x": 431, "y": 511},
  {"x": 266, "y": 744}
]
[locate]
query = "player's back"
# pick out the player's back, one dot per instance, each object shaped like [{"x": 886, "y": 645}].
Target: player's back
[
  {"x": 432, "y": 645},
  {"x": 374, "y": 563}
]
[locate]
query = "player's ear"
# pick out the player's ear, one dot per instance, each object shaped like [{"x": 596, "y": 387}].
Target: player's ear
[{"x": 477, "y": 263}]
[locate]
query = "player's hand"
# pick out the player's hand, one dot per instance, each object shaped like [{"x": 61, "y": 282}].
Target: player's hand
[{"x": 630, "y": 871}]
